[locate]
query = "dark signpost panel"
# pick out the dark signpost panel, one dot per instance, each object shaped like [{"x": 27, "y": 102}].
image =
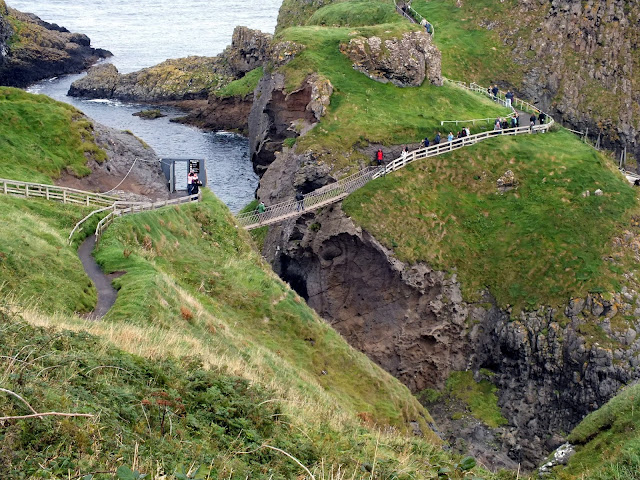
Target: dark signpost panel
[{"x": 194, "y": 166}]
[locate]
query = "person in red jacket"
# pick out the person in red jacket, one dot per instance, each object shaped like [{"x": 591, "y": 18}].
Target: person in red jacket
[{"x": 379, "y": 156}]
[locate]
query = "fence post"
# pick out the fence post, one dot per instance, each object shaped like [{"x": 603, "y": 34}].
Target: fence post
[{"x": 26, "y": 190}]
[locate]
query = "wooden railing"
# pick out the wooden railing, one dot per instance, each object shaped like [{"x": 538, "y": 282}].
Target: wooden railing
[
  {"x": 339, "y": 190},
  {"x": 55, "y": 193},
  {"x": 138, "y": 208},
  {"x": 457, "y": 143},
  {"x": 312, "y": 201}
]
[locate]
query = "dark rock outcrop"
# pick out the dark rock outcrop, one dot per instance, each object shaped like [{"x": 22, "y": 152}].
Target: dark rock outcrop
[
  {"x": 406, "y": 61},
  {"x": 277, "y": 115},
  {"x": 40, "y": 50}
]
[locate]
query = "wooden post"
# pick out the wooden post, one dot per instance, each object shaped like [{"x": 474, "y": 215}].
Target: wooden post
[
  {"x": 26, "y": 190},
  {"x": 47, "y": 193},
  {"x": 64, "y": 196}
]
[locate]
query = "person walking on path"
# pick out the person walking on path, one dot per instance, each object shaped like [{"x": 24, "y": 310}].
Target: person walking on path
[
  {"x": 532, "y": 120},
  {"x": 426, "y": 142},
  {"x": 542, "y": 117},
  {"x": 495, "y": 91},
  {"x": 509, "y": 98},
  {"x": 300, "y": 201},
  {"x": 450, "y": 137},
  {"x": 379, "y": 157},
  {"x": 405, "y": 154},
  {"x": 436, "y": 139},
  {"x": 261, "y": 207}
]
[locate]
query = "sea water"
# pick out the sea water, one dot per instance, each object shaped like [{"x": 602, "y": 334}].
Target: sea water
[{"x": 146, "y": 32}]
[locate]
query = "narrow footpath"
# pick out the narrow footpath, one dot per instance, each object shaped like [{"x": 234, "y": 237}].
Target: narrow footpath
[{"x": 106, "y": 293}]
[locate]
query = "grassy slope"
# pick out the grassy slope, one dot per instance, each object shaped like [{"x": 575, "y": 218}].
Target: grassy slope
[
  {"x": 471, "y": 52},
  {"x": 607, "y": 442},
  {"x": 41, "y": 138},
  {"x": 33, "y": 243},
  {"x": 362, "y": 110},
  {"x": 196, "y": 294},
  {"x": 540, "y": 243}
]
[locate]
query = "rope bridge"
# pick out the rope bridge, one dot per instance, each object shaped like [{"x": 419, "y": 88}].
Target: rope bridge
[{"x": 339, "y": 190}]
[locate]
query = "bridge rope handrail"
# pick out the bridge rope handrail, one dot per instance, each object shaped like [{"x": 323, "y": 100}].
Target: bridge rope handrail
[{"x": 335, "y": 192}]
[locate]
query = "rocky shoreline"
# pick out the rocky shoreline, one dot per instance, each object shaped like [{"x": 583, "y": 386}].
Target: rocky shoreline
[{"x": 40, "y": 50}]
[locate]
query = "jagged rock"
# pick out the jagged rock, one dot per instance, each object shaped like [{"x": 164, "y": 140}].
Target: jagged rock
[
  {"x": 321, "y": 91},
  {"x": 560, "y": 456},
  {"x": 506, "y": 182},
  {"x": 277, "y": 115},
  {"x": 249, "y": 49},
  {"x": 405, "y": 61},
  {"x": 598, "y": 193},
  {"x": 283, "y": 52},
  {"x": 44, "y": 50}
]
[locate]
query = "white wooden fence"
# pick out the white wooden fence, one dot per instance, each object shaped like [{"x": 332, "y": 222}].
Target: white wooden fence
[
  {"x": 339, "y": 190},
  {"x": 55, "y": 193}
]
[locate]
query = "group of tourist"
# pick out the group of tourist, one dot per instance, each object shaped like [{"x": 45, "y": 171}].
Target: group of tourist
[{"x": 493, "y": 92}]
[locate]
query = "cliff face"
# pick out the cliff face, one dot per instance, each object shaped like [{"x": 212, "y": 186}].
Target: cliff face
[
  {"x": 551, "y": 367},
  {"x": 581, "y": 63},
  {"x": 39, "y": 50}
]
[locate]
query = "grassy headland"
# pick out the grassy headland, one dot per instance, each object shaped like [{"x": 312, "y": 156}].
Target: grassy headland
[
  {"x": 365, "y": 111},
  {"x": 542, "y": 242},
  {"x": 607, "y": 442},
  {"x": 41, "y": 138}
]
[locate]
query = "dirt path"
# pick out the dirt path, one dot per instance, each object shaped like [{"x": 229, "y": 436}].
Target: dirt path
[{"x": 106, "y": 293}]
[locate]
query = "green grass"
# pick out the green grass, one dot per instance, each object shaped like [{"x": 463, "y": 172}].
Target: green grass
[
  {"x": 479, "y": 397},
  {"x": 37, "y": 267},
  {"x": 355, "y": 14},
  {"x": 540, "y": 243},
  {"x": 471, "y": 52},
  {"x": 607, "y": 441},
  {"x": 198, "y": 247},
  {"x": 42, "y": 138},
  {"x": 243, "y": 86},
  {"x": 207, "y": 334},
  {"x": 363, "y": 110}
]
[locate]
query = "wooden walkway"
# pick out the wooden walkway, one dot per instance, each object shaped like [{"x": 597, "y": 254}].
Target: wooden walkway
[{"x": 338, "y": 191}]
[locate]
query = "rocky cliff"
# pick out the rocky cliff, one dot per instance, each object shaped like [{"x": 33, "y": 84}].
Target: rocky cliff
[
  {"x": 580, "y": 63},
  {"x": 405, "y": 61},
  {"x": 552, "y": 367},
  {"x": 31, "y": 49}
]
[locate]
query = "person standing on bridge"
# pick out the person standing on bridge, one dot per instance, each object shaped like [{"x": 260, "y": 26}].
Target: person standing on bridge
[
  {"x": 261, "y": 208},
  {"x": 300, "y": 201}
]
